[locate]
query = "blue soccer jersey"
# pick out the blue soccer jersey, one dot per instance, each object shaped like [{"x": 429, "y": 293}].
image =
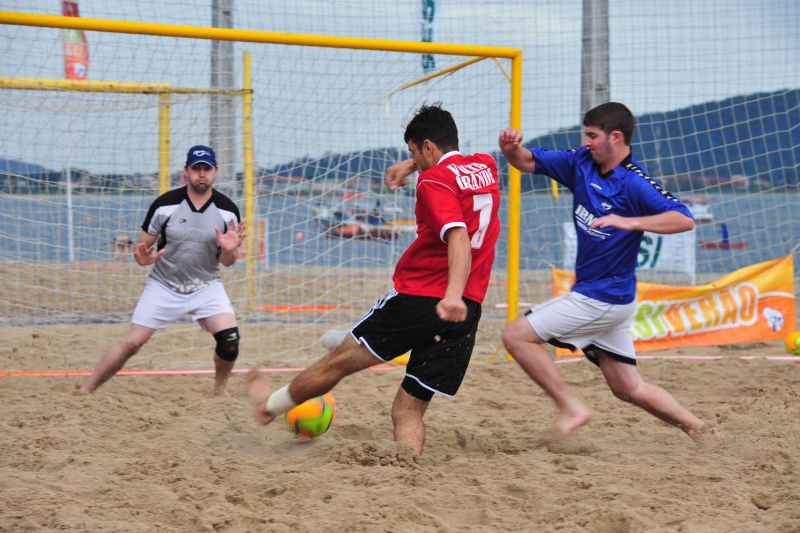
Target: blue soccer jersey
[{"x": 606, "y": 263}]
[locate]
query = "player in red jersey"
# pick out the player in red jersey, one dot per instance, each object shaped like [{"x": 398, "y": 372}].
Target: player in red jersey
[{"x": 439, "y": 285}]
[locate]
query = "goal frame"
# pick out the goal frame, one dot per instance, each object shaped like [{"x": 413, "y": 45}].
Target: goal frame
[
  {"x": 320, "y": 41},
  {"x": 163, "y": 90}
]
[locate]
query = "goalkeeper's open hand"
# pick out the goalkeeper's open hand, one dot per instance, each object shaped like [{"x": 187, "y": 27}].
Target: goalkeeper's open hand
[
  {"x": 231, "y": 239},
  {"x": 144, "y": 254}
]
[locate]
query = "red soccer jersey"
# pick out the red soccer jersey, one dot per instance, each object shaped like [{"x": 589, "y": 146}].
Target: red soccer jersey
[{"x": 460, "y": 191}]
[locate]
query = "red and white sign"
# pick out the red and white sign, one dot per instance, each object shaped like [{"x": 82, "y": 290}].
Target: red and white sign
[{"x": 76, "y": 49}]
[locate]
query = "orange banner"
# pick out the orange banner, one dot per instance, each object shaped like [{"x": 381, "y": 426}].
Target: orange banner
[
  {"x": 76, "y": 49},
  {"x": 753, "y": 304}
]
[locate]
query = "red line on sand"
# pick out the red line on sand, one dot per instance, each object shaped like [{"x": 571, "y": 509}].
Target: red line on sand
[
  {"x": 377, "y": 368},
  {"x": 770, "y": 357},
  {"x": 650, "y": 357},
  {"x": 683, "y": 357},
  {"x": 53, "y": 373},
  {"x": 289, "y": 308}
]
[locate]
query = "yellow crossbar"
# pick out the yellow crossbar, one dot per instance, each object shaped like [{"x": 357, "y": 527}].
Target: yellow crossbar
[
  {"x": 325, "y": 41},
  {"x": 221, "y": 34},
  {"x": 38, "y": 84}
]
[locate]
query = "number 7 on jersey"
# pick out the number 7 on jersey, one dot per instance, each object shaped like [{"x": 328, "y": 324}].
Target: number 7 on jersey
[{"x": 482, "y": 203}]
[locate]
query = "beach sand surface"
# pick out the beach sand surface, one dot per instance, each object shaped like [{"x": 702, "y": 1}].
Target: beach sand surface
[{"x": 161, "y": 453}]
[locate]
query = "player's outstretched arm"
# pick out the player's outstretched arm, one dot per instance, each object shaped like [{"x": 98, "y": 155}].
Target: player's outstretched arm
[
  {"x": 229, "y": 242},
  {"x": 452, "y": 308},
  {"x": 664, "y": 223},
  {"x": 396, "y": 174},
  {"x": 517, "y": 155},
  {"x": 143, "y": 252}
]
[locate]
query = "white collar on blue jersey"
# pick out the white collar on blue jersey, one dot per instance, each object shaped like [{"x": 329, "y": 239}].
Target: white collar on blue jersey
[{"x": 448, "y": 154}]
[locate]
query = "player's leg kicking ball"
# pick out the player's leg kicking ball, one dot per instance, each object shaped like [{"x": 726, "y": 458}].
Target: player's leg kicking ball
[{"x": 258, "y": 392}]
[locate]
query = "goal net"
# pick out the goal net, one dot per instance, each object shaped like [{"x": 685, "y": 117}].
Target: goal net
[
  {"x": 82, "y": 164},
  {"x": 713, "y": 86},
  {"x": 716, "y": 125}
]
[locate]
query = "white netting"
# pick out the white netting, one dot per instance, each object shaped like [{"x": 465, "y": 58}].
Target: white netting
[
  {"x": 327, "y": 124},
  {"x": 714, "y": 87}
]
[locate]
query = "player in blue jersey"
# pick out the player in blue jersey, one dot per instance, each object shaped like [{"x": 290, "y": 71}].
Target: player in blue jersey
[{"x": 614, "y": 202}]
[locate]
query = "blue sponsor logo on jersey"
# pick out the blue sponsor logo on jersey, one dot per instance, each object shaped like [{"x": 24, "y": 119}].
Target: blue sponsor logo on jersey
[{"x": 584, "y": 220}]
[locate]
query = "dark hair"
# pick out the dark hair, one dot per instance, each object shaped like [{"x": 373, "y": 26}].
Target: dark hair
[
  {"x": 433, "y": 123},
  {"x": 611, "y": 117}
]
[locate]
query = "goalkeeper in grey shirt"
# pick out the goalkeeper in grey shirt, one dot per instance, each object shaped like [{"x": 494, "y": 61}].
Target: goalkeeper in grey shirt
[{"x": 197, "y": 228}]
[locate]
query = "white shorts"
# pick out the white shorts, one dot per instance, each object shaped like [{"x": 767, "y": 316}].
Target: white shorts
[
  {"x": 159, "y": 306},
  {"x": 577, "y": 321}
]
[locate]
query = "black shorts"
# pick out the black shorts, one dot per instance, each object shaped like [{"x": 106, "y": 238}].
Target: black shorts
[{"x": 440, "y": 351}]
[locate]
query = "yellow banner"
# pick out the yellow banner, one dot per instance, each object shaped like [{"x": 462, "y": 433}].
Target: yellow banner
[{"x": 753, "y": 304}]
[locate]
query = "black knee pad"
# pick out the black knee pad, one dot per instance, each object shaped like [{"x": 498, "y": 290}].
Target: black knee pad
[{"x": 227, "y": 344}]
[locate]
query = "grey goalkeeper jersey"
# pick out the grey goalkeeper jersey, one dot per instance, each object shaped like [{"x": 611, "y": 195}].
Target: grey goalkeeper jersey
[{"x": 191, "y": 261}]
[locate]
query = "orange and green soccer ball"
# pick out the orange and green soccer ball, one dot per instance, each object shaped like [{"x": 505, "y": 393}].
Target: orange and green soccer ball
[
  {"x": 312, "y": 418},
  {"x": 793, "y": 343}
]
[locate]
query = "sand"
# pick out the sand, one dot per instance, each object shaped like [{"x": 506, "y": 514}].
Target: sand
[{"x": 161, "y": 453}]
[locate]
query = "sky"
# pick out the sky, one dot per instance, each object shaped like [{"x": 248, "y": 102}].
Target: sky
[{"x": 665, "y": 55}]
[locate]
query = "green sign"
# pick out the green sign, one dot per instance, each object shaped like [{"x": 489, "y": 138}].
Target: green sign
[{"x": 428, "y": 16}]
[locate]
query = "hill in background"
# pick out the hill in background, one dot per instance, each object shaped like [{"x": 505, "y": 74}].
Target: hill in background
[
  {"x": 21, "y": 168},
  {"x": 743, "y": 142}
]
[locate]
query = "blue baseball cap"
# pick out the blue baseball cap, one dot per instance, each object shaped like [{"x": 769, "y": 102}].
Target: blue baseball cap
[{"x": 201, "y": 154}]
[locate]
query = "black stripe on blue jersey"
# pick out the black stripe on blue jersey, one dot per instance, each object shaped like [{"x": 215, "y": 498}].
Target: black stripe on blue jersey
[{"x": 657, "y": 186}]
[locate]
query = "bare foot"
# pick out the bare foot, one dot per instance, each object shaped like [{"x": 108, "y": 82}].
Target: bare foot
[
  {"x": 258, "y": 392},
  {"x": 708, "y": 438},
  {"x": 567, "y": 422},
  {"x": 222, "y": 391}
]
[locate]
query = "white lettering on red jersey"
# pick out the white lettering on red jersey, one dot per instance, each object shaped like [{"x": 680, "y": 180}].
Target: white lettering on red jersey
[{"x": 460, "y": 191}]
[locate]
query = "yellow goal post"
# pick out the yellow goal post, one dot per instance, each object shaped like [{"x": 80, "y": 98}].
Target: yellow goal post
[
  {"x": 322, "y": 41},
  {"x": 164, "y": 90}
]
